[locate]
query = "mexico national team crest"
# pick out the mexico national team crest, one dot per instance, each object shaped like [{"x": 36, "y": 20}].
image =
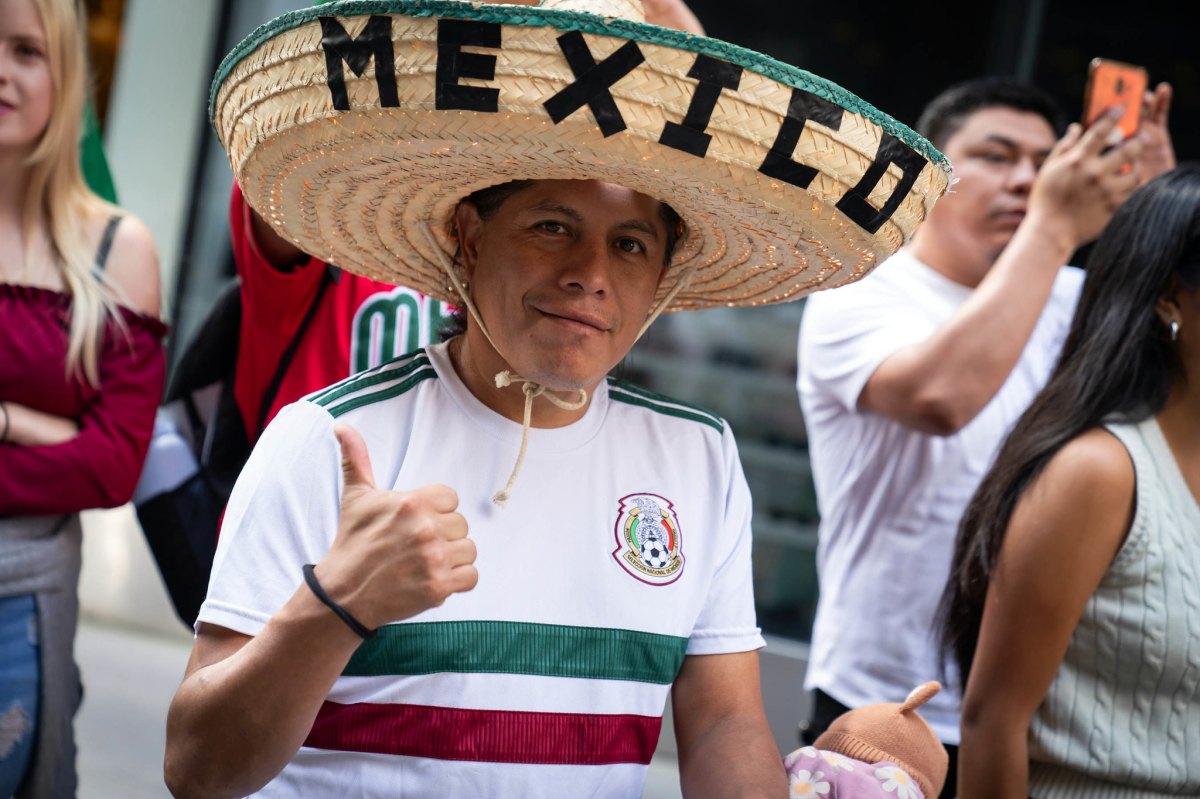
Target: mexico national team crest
[{"x": 649, "y": 541}]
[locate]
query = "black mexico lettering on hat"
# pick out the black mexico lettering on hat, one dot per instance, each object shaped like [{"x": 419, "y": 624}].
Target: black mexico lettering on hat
[
  {"x": 714, "y": 75},
  {"x": 592, "y": 82},
  {"x": 802, "y": 107},
  {"x": 891, "y": 151},
  {"x": 453, "y": 63},
  {"x": 375, "y": 41}
]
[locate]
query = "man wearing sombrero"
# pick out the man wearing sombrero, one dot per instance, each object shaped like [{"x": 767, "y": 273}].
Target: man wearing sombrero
[{"x": 382, "y": 621}]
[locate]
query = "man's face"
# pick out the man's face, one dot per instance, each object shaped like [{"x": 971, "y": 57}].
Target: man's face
[
  {"x": 564, "y": 273},
  {"x": 996, "y": 156}
]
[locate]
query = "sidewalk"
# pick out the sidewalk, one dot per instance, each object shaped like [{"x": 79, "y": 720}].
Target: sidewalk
[{"x": 129, "y": 678}]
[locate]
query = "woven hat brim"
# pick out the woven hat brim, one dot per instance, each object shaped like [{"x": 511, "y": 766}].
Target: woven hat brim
[{"x": 359, "y": 187}]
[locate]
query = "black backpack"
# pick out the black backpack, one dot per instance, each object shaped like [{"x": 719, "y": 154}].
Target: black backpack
[{"x": 199, "y": 447}]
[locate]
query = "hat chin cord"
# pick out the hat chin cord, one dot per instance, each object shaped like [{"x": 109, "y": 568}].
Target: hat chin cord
[{"x": 530, "y": 388}]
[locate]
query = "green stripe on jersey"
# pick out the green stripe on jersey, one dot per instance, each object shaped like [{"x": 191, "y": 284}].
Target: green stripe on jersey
[
  {"x": 623, "y": 392},
  {"x": 397, "y": 376},
  {"x": 392, "y": 370},
  {"x": 547, "y": 650},
  {"x": 358, "y": 401}
]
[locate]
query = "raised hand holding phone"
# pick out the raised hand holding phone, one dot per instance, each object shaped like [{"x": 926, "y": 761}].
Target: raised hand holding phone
[
  {"x": 1114, "y": 83},
  {"x": 1159, "y": 154},
  {"x": 397, "y": 553},
  {"x": 1084, "y": 181}
]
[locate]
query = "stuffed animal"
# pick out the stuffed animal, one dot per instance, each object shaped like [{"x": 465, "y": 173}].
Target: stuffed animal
[{"x": 886, "y": 751}]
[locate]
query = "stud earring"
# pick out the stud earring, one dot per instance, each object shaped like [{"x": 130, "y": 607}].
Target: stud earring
[{"x": 1174, "y": 328}]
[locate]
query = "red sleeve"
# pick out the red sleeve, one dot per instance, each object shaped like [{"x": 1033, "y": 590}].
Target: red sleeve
[
  {"x": 99, "y": 468},
  {"x": 273, "y": 305}
]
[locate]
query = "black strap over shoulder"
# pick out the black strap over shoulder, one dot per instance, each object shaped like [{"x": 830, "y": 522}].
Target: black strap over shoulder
[
  {"x": 106, "y": 240},
  {"x": 332, "y": 273}
]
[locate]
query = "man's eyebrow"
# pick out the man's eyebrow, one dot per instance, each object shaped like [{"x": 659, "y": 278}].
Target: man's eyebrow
[
  {"x": 996, "y": 138},
  {"x": 553, "y": 206},
  {"x": 639, "y": 225},
  {"x": 1004, "y": 141}
]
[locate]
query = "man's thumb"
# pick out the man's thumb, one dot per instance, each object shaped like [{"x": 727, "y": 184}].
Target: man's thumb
[{"x": 356, "y": 462}]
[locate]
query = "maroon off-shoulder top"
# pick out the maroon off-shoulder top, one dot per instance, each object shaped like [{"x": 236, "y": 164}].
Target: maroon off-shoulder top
[{"x": 98, "y": 468}]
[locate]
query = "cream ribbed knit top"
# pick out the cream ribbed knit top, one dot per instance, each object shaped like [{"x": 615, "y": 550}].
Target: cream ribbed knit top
[{"x": 1122, "y": 717}]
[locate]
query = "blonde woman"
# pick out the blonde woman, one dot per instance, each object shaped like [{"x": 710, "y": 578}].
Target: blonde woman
[{"x": 81, "y": 371}]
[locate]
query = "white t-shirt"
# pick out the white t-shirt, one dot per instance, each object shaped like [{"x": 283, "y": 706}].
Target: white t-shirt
[
  {"x": 625, "y": 546},
  {"x": 890, "y": 497}
]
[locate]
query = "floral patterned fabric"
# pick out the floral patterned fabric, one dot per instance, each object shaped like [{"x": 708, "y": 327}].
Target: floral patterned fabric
[{"x": 818, "y": 774}]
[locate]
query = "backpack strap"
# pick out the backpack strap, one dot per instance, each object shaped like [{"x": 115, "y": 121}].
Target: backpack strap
[
  {"x": 332, "y": 274},
  {"x": 106, "y": 240}
]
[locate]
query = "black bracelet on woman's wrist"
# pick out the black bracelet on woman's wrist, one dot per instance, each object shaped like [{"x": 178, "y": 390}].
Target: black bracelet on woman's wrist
[
  {"x": 4, "y": 435},
  {"x": 310, "y": 577}
]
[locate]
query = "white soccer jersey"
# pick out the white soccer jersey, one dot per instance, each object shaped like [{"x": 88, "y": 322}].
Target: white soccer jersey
[{"x": 625, "y": 546}]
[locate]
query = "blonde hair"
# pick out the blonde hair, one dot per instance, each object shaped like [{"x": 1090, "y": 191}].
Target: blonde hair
[{"x": 56, "y": 190}]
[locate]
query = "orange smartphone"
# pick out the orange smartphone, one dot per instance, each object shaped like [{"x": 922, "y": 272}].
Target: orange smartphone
[{"x": 1112, "y": 83}]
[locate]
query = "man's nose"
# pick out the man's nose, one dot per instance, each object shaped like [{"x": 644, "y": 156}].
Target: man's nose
[
  {"x": 586, "y": 267},
  {"x": 1022, "y": 175}
]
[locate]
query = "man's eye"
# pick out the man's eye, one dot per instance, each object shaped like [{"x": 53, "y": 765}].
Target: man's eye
[
  {"x": 630, "y": 246},
  {"x": 551, "y": 226},
  {"x": 994, "y": 158}
]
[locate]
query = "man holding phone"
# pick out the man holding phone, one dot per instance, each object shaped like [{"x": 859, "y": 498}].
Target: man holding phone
[{"x": 911, "y": 378}]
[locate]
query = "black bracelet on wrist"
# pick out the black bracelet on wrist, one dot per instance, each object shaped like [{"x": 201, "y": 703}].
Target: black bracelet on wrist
[
  {"x": 310, "y": 577},
  {"x": 4, "y": 435}
]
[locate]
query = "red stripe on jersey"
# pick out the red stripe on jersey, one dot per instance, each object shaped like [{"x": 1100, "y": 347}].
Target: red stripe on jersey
[{"x": 495, "y": 736}]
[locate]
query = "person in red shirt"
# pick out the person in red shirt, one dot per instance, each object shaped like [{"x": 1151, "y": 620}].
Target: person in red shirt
[{"x": 359, "y": 323}]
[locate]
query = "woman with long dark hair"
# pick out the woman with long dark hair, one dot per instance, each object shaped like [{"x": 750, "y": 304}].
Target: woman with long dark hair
[{"x": 1073, "y": 607}]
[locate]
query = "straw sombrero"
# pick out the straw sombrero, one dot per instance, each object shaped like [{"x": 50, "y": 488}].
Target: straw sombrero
[{"x": 355, "y": 128}]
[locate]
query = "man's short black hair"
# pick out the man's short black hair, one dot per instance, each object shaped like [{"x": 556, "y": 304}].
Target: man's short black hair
[{"x": 947, "y": 112}]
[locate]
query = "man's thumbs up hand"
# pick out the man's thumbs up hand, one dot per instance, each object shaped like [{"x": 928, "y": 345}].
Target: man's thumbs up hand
[
  {"x": 356, "y": 462},
  {"x": 397, "y": 553}
]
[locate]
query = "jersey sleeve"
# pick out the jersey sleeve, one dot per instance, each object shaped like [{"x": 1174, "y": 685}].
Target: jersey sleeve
[
  {"x": 845, "y": 335},
  {"x": 727, "y": 621},
  {"x": 99, "y": 467},
  {"x": 283, "y": 513}
]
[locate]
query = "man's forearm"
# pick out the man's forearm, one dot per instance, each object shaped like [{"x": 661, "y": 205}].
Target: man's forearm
[
  {"x": 735, "y": 758},
  {"x": 941, "y": 384},
  {"x": 235, "y": 723}
]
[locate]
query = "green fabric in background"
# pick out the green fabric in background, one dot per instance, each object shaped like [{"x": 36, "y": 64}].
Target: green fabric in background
[{"x": 91, "y": 154}]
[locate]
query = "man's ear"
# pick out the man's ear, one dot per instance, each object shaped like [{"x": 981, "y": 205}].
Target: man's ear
[
  {"x": 470, "y": 230},
  {"x": 662, "y": 274}
]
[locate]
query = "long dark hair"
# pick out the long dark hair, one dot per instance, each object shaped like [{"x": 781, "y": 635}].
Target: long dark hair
[{"x": 1117, "y": 364}]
